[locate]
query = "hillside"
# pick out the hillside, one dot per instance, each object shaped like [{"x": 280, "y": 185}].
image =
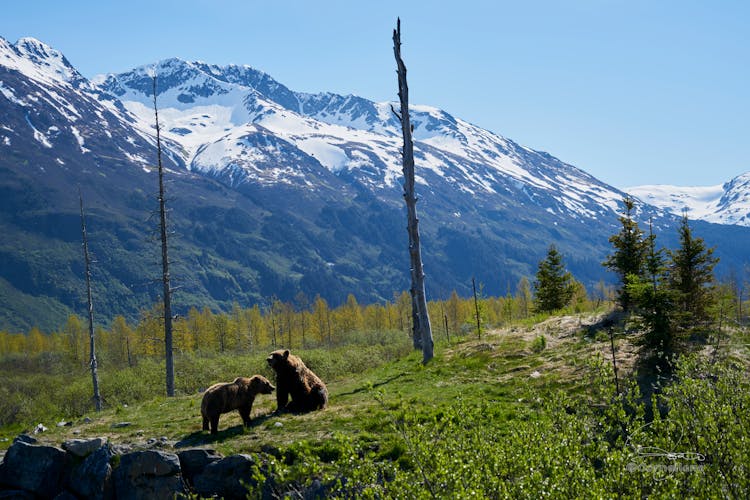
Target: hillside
[{"x": 504, "y": 416}]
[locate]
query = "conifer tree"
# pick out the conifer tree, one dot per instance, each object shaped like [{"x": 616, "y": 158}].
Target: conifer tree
[
  {"x": 653, "y": 298},
  {"x": 691, "y": 277},
  {"x": 629, "y": 254},
  {"x": 554, "y": 285}
]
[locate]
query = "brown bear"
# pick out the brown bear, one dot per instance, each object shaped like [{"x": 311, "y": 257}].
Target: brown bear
[
  {"x": 238, "y": 395},
  {"x": 294, "y": 379}
]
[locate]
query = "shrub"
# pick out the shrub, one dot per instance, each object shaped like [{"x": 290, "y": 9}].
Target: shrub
[{"x": 539, "y": 343}]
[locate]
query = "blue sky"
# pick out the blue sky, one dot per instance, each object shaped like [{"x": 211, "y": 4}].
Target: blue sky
[{"x": 634, "y": 92}]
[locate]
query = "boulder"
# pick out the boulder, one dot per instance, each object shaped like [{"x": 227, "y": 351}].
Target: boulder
[
  {"x": 82, "y": 448},
  {"x": 194, "y": 461},
  {"x": 16, "y": 495},
  {"x": 33, "y": 468},
  {"x": 148, "y": 474},
  {"x": 222, "y": 478},
  {"x": 92, "y": 478}
]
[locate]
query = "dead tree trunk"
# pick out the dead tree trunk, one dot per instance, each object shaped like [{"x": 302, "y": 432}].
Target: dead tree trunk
[
  {"x": 168, "y": 350},
  {"x": 92, "y": 343},
  {"x": 419, "y": 303},
  {"x": 476, "y": 309},
  {"x": 416, "y": 332}
]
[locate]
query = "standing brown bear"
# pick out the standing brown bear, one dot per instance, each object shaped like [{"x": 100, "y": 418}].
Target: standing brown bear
[
  {"x": 238, "y": 395},
  {"x": 294, "y": 379}
]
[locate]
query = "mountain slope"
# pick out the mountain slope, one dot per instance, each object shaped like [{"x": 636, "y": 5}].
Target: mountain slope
[
  {"x": 272, "y": 193},
  {"x": 724, "y": 204}
]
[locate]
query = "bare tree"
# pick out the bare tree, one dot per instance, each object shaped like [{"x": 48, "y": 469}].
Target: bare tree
[
  {"x": 92, "y": 344},
  {"x": 419, "y": 302},
  {"x": 168, "y": 350}
]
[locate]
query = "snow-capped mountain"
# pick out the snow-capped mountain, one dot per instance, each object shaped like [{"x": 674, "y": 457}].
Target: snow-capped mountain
[
  {"x": 272, "y": 193},
  {"x": 728, "y": 203},
  {"x": 239, "y": 124}
]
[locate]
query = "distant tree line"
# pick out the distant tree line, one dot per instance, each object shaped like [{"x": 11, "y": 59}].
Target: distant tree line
[{"x": 303, "y": 323}]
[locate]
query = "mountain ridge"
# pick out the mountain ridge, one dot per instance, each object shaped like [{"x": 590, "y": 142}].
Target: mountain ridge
[
  {"x": 727, "y": 203},
  {"x": 273, "y": 194}
]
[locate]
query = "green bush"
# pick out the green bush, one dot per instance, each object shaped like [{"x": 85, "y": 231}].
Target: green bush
[{"x": 539, "y": 343}]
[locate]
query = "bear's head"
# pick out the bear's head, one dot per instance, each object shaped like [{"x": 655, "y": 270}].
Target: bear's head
[
  {"x": 278, "y": 359},
  {"x": 261, "y": 385}
]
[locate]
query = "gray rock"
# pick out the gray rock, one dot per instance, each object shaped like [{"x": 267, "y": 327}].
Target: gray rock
[
  {"x": 83, "y": 447},
  {"x": 37, "y": 469},
  {"x": 119, "y": 425},
  {"x": 25, "y": 438},
  {"x": 222, "y": 478},
  {"x": 92, "y": 477},
  {"x": 194, "y": 461},
  {"x": 121, "y": 449},
  {"x": 148, "y": 474}
]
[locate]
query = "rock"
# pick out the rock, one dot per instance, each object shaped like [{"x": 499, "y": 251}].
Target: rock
[
  {"x": 25, "y": 438},
  {"x": 271, "y": 450},
  {"x": 121, "y": 449},
  {"x": 148, "y": 474},
  {"x": 222, "y": 478},
  {"x": 82, "y": 448},
  {"x": 16, "y": 495},
  {"x": 63, "y": 423},
  {"x": 37, "y": 469},
  {"x": 87, "y": 420},
  {"x": 66, "y": 495},
  {"x": 194, "y": 461},
  {"x": 118, "y": 425},
  {"x": 92, "y": 478},
  {"x": 535, "y": 374},
  {"x": 278, "y": 424},
  {"x": 39, "y": 429}
]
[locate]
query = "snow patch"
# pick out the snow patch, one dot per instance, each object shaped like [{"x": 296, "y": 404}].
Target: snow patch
[
  {"x": 39, "y": 136},
  {"x": 80, "y": 140},
  {"x": 330, "y": 156}
]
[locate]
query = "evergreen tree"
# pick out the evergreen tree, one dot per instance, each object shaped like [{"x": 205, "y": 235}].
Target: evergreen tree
[
  {"x": 692, "y": 276},
  {"x": 554, "y": 286},
  {"x": 630, "y": 253},
  {"x": 653, "y": 298}
]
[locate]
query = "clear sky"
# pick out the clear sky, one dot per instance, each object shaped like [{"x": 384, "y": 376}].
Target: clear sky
[{"x": 632, "y": 91}]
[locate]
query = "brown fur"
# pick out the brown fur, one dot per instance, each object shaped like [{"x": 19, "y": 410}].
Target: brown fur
[
  {"x": 237, "y": 395},
  {"x": 294, "y": 379}
]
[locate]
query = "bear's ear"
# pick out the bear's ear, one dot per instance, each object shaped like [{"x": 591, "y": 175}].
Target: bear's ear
[{"x": 286, "y": 354}]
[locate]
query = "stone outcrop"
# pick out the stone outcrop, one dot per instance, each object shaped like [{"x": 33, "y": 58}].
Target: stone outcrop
[{"x": 94, "y": 469}]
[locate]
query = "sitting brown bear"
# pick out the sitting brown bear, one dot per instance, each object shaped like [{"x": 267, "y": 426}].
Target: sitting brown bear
[
  {"x": 237, "y": 395},
  {"x": 294, "y": 379}
]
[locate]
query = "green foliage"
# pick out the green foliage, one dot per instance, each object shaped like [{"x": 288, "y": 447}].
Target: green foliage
[
  {"x": 554, "y": 286},
  {"x": 675, "y": 297},
  {"x": 691, "y": 277},
  {"x": 629, "y": 252},
  {"x": 539, "y": 343},
  {"x": 557, "y": 446}
]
